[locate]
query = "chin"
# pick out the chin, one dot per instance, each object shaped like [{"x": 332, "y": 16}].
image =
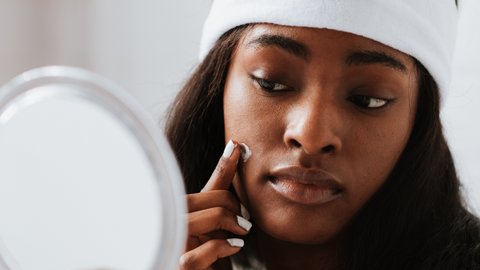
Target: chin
[{"x": 290, "y": 227}]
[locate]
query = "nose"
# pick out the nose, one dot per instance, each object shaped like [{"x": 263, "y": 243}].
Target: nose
[{"x": 314, "y": 127}]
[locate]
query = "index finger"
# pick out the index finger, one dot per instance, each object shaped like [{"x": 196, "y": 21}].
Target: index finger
[{"x": 226, "y": 168}]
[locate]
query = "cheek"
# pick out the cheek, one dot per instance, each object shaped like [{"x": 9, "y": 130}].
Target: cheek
[
  {"x": 372, "y": 150},
  {"x": 246, "y": 111},
  {"x": 251, "y": 119}
]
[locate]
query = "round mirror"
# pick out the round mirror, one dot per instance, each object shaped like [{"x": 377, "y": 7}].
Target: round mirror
[{"x": 87, "y": 181}]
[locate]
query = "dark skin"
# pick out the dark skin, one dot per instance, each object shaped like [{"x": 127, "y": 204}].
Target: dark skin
[{"x": 326, "y": 115}]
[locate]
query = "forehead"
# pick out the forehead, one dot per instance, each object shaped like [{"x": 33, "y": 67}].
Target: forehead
[{"x": 321, "y": 41}]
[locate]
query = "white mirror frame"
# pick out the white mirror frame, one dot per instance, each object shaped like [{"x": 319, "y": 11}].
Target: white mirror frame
[{"x": 21, "y": 92}]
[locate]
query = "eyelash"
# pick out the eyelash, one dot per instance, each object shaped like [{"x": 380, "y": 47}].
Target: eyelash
[
  {"x": 359, "y": 100},
  {"x": 260, "y": 82},
  {"x": 365, "y": 102}
]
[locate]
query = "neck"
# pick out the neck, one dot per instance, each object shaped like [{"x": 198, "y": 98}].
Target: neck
[{"x": 282, "y": 255}]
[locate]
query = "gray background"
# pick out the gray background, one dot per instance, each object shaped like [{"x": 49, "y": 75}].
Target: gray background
[{"x": 150, "y": 46}]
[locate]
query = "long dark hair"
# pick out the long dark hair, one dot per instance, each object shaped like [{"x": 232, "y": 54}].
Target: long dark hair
[
  {"x": 194, "y": 126},
  {"x": 416, "y": 220}
]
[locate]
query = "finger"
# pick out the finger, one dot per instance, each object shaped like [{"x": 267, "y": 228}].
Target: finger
[
  {"x": 216, "y": 198},
  {"x": 227, "y": 166},
  {"x": 213, "y": 235},
  {"x": 208, "y": 253},
  {"x": 218, "y": 218}
]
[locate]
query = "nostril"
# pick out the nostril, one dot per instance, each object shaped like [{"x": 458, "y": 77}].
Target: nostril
[
  {"x": 328, "y": 148},
  {"x": 295, "y": 143}
]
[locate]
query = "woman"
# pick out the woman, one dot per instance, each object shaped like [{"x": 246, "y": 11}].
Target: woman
[{"x": 349, "y": 168}]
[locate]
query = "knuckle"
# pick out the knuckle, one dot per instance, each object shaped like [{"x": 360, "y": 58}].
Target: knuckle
[
  {"x": 187, "y": 261},
  {"x": 222, "y": 194},
  {"x": 221, "y": 170},
  {"x": 227, "y": 197},
  {"x": 220, "y": 213},
  {"x": 221, "y": 216}
]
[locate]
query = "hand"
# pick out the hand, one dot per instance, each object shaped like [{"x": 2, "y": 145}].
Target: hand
[{"x": 213, "y": 213}]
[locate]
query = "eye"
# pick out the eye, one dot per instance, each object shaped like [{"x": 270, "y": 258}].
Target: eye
[
  {"x": 368, "y": 102},
  {"x": 270, "y": 86}
]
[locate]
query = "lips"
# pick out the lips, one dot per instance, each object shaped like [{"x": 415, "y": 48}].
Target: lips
[{"x": 305, "y": 186}]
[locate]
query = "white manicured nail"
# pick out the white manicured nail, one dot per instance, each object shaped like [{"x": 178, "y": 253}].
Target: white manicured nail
[
  {"x": 245, "y": 212},
  {"x": 235, "y": 242},
  {"x": 244, "y": 223},
  {"x": 229, "y": 149}
]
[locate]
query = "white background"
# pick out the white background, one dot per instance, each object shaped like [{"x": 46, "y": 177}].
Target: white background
[{"x": 150, "y": 46}]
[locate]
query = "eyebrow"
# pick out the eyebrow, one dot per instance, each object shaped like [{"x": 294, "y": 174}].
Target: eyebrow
[
  {"x": 355, "y": 58},
  {"x": 359, "y": 58},
  {"x": 287, "y": 44}
]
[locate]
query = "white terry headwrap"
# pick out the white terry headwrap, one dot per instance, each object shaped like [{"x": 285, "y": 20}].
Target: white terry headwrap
[{"x": 424, "y": 29}]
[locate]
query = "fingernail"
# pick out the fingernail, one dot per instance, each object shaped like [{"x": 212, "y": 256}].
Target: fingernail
[
  {"x": 246, "y": 153},
  {"x": 244, "y": 223},
  {"x": 235, "y": 242},
  {"x": 229, "y": 149},
  {"x": 244, "y": 212}
]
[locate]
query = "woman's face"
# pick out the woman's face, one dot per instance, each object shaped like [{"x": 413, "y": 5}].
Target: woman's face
[{"x": 326, "y": 114}]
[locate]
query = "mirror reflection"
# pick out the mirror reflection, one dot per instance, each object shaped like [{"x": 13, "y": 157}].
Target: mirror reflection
[{"x": 77, "y": 188}]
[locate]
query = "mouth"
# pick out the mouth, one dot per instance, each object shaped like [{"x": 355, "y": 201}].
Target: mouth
[{"x": 305, "y": 186}]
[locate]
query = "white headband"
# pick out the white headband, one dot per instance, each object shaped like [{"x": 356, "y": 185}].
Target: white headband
[{"x": 424, "y": 29}]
